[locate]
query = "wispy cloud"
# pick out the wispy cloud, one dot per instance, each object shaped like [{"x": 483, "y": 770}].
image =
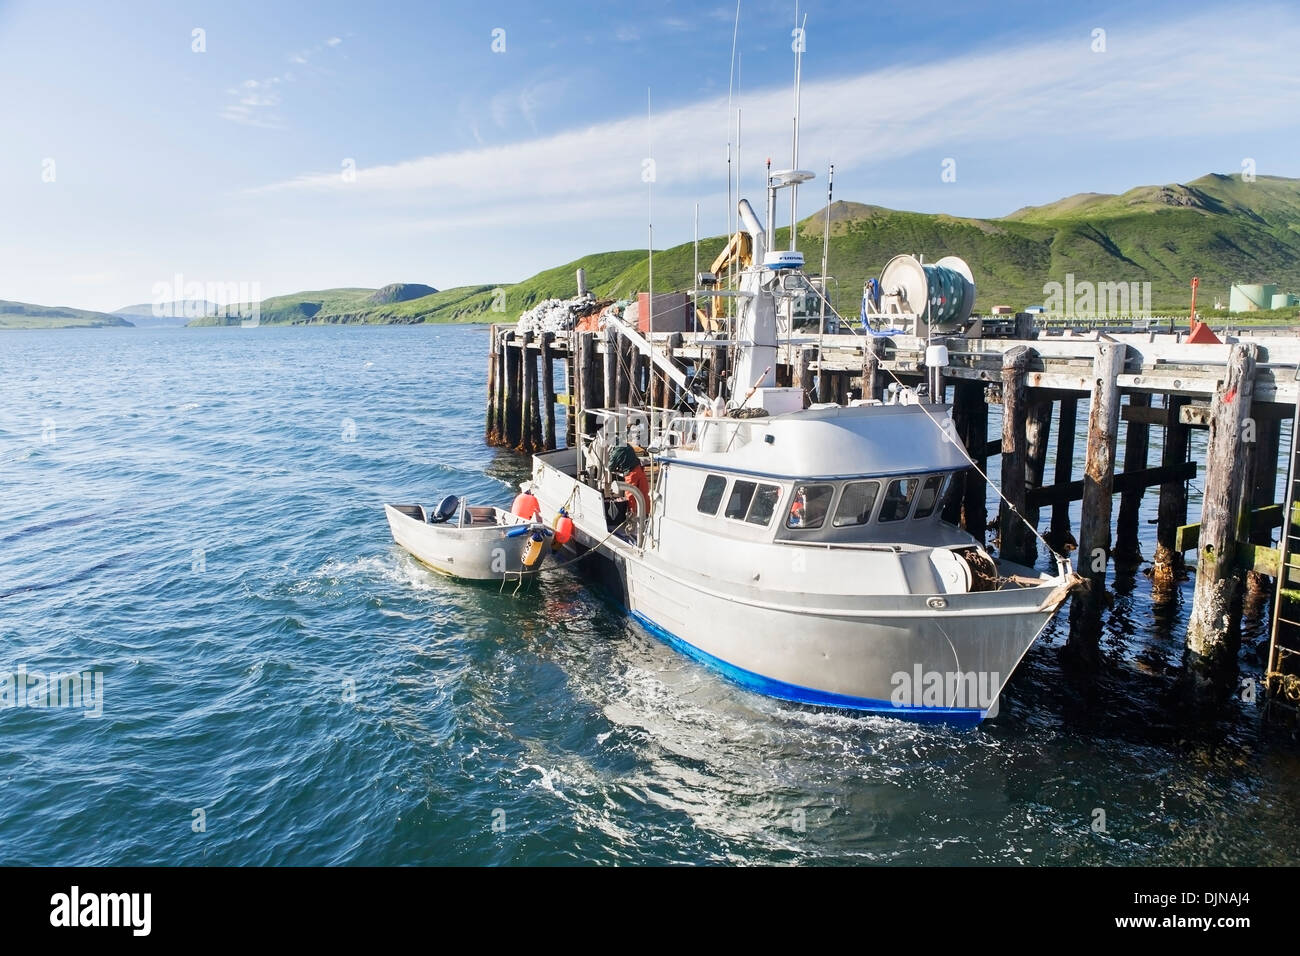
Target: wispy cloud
[
  {"x": 1156, "y": 82},
  {"x": 523, "y": 103},
  {"x": 257, "y": 102}
]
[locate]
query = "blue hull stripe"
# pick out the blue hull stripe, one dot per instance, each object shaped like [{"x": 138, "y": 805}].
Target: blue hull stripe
[{"x": 806, "y": 695}]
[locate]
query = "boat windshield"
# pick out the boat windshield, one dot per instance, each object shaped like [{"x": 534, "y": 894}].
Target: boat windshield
[{"x": 855, "y": 510}]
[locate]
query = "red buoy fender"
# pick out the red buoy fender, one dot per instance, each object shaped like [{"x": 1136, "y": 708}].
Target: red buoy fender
[{"x": 525, "y": 506}]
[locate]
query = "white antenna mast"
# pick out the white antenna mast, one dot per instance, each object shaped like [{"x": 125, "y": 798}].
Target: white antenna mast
[
  {"x": 733, "y": 268},
  {"x": 732, "y": 224},
  {"x": 799, "y": 35},
  {"x": 826, "y": 253},
  {"x": 695, "y": 277},
  {"x": 650, "y": 226}
]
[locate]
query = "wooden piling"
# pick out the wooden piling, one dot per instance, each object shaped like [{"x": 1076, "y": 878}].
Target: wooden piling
[
  {"x": 1017, "y": 543},
  {"x": 514, "y": 390},
  {"x": 1038, "y": 433},
  {"x": 1059, "y": 536},
  {"x": 625, "y": 371},
  {"x": 964, "y": 395},
  {"x": 548, "y": 392},
  {"x": 528, "y": 401},
  {"x": 1171, "y": 511},
  {"x": 717, "y": 370},
  {"x": 1210, "y": 635},
  {"x": 826, "y": 387},
  {"x": 974, "y": 505},
  {"x": 589, "y": 382},
  {"x": 534, "y": 426},
  {"x": 1266, "y": 448},
  {"x": 1136, "y": 442},
  {"x": 1268, "y": 437},
  {"x": 503, "y": 382},
  {"x": 872, "y": 350},
  {"x": 804, "y": 376},
  {"x": 673, "y": 392},
  {"x": 1099, "y": 465},
  {"x": 610, "y": 389},
  {"x": 571, "y": 385},
  {"x": 638, "y": 391},
  {"x": 490, "y": 423}
]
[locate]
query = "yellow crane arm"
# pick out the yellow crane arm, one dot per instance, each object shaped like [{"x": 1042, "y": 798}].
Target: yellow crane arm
[{"x": 738, "y": 250}]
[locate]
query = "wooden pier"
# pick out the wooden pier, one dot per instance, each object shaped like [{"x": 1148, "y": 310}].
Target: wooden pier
[{"x": 1146, "y": 393}]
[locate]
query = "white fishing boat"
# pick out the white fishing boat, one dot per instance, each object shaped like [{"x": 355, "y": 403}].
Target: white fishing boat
[
  {"x": 801, "y": 551},
  {"x": 475, "y": 543}
]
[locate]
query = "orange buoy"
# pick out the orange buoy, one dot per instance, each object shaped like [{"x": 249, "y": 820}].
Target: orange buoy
[
  {"x": 525, "y": 506},
  {"x": 563, "y": 527}
]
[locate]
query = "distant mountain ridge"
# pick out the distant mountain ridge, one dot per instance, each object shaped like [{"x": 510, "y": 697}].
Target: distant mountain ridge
[
  {"x": 24, "y": 315},
  {"x": 164, "y": 314}
]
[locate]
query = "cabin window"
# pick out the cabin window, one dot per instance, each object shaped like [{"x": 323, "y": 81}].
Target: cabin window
[
  {"x": 711, "y": 496},
  {"x": 742, "y": 492},
  {"x": 898, "y": 499},
  {"x": 766, "y": 499},
  {"x": 929, "y": 497},
  {"x": 856, "y": 503},
  {"x": 809, "y": 506}
]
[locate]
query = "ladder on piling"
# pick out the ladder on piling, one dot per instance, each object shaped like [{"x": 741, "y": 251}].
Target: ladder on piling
[{"x": 1283, "y": 676}]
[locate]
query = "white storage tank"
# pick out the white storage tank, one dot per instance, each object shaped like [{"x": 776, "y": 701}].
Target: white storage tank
[{"x": 1251, "y": 298}]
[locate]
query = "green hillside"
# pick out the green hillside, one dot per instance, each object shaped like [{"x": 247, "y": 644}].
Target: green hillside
[
  {"x": 1217, "y": 227},
  {"x": 22, "y": 315}
]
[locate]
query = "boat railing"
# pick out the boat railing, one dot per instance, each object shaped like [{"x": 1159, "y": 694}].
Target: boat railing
[{"x": 708, "y": 434}]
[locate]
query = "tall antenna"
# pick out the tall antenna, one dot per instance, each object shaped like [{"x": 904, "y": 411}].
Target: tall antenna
[
  {"x": 650, "y": 224},
  {"x": 740, "y": 63},
  {"x": 771, "y": 208},
  {"x": 731, "y": 85},
  {"x": 826, "y": 252},
  {"x": 794, "y": 149},
  {"x": 695, "y": 277},
  {"x": 733, "y": 267}
]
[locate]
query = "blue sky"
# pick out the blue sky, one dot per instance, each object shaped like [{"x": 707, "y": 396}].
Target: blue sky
[{"x": 475, "y": 166}]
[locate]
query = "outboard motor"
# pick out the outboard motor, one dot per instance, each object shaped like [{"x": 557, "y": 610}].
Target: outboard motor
[{"x": 445, "y": 511}]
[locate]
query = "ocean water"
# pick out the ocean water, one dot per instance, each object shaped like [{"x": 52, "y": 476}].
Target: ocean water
[{"x": 196, "y": 516}]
